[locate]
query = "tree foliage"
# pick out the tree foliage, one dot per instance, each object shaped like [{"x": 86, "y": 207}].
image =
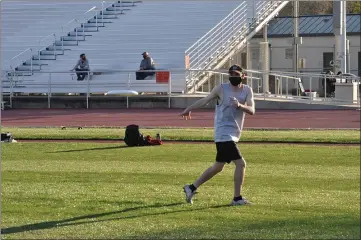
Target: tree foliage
[{"x": 319, "y": 8}]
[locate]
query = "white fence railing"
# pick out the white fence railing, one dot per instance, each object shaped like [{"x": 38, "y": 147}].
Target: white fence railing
[
  {"x": 89, "y": 88},
  {"x": 72, "y": 24},
  {"x": 50, "y": 39},
  {"x": 214, "y": 40},
  {"x": 16, "y": 61},
  {"x": 216, "y": 44}
]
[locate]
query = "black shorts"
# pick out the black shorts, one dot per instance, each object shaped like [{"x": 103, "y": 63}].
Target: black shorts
[{"x": 227, "y": 152}]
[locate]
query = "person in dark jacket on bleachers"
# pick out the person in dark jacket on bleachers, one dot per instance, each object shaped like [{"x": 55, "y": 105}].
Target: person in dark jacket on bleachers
[
  {"x": 146, "y": 64},
  {"x": 81, "y": 67},
  {"x": 330, "y": 84}
]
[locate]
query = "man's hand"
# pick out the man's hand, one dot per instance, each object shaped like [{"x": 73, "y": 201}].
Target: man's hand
[
  {"x": 234, "y": 102},
  {"x": 186, "y": 114},
  {"x": 201, "y": 102}
]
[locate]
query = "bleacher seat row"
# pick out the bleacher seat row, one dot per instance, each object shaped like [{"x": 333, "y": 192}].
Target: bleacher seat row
[
  {"x": 115, "y": 43},
  {"x": 112, "y": 35}
]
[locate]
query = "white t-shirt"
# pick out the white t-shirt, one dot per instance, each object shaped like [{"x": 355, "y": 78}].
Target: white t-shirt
[{"x": 228, "y": 122}]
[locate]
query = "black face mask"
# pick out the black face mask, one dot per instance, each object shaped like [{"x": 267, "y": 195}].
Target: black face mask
[{"x": 235, "y": 81}]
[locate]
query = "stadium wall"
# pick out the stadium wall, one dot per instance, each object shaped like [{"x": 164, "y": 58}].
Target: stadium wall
[{"x": 178, "y": 102}]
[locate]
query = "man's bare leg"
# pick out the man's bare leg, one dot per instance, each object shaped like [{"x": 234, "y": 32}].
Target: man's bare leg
[
  {"x": 189, "y": 190},
  {"x": 209, "y": 173},
  {"x": 239, "y": 174}
]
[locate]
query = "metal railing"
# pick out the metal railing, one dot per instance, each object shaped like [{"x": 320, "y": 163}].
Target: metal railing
[
  {"x": 317, "y": 94},
  {"x": 87, "y": 87},
  {"x": 43, "y": 39},
  {"x": 216, "y": 37},
  {"x": 20, "y": 54},
  {"x": 121, "y": 9},
  {"x": 86, "y": 18},
  {"x": 234, "y": 23},
  {"x": 67, "y": 25},
  {"x": 102, "y": 11},
  {"x": 64, "y": 34},
  {"x": 214, "y": 47},
  {"x": 60, "y": 85},
  {"x": 284, "y": 87}
]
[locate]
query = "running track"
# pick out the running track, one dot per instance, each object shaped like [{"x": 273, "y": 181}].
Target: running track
[{"x": 169, "y": 118}]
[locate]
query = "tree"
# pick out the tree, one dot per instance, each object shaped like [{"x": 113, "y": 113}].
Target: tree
[
  {"x": 354, "y": 7},
  {"x": 319, "y": 8}
]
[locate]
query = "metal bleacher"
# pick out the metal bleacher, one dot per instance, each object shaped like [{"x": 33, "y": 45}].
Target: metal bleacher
[
  {"x": 24, "y": 24},
  {"x": 228, "y": 38},
  {"x": 114, "y": 40}
]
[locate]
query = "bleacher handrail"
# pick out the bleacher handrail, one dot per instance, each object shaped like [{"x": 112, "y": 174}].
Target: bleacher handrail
[
  {"x": 26, "y": 50},
  {"x": 229, "y": 18},
  {"x": 215, "y": 27},
  {"x": 91, "y": 9},
  {"x": 103, "y": 9},
  {"x": 43, "y": 39},
  {"x": 66, "y": 25},
  {"x": 216, "y": 46},
  {"x": 62, "y": 31},
  {"x": 86, "y": 19}
]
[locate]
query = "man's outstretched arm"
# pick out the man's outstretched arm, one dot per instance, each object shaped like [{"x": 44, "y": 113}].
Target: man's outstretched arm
[{"x": 215, "y": 93}]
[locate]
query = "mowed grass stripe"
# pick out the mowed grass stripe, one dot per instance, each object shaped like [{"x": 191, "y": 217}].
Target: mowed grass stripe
[
  {"x": 89, "y": 190},
  {"x": 206, "y": 134}
]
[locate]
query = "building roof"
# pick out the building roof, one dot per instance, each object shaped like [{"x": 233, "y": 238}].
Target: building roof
[{"x": 316, "y": 25}]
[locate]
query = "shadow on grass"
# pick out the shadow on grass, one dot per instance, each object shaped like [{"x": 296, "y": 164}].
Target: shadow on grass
[
  {"x": 91, "y": 149},
  {"x": 312, "y": 227},
  {"x": 103, "y": 148},
  {"x": 92, "y": 218}
]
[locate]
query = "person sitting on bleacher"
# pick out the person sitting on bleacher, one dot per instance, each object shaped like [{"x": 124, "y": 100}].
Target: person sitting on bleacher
[
  {"x": 330, "y": 84},
  {"x": 146, "y": 64},
  {"x": 81, "y": 67}
]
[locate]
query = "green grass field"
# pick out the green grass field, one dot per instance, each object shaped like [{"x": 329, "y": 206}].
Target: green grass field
[
  {"x": 322, "y": 136},
  {"x": 92, "y": 190}
]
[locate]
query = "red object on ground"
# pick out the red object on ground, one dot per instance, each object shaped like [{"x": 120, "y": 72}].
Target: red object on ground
[{"x": 152, "y": 141}]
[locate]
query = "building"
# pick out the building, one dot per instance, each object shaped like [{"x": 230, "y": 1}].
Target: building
[{"x": 317, "y": 48}]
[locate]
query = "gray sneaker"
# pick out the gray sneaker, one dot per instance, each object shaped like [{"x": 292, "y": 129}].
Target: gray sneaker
[
  {"x": 241, "y": 202},
  {"x": 189, "y": 194}
]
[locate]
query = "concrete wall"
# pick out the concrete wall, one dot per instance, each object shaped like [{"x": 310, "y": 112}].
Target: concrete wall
[{"x": 312, "y": 50}]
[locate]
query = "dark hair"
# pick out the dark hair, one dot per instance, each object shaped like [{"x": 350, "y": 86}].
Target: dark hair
[{"x": 82, "y": 55}]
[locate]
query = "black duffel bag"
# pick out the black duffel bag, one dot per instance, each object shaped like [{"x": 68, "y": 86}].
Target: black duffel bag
[{"x": 133, "y": 137}]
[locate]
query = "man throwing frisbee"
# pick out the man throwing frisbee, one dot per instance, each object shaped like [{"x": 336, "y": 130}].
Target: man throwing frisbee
[{"x": 234, "y": 99}]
